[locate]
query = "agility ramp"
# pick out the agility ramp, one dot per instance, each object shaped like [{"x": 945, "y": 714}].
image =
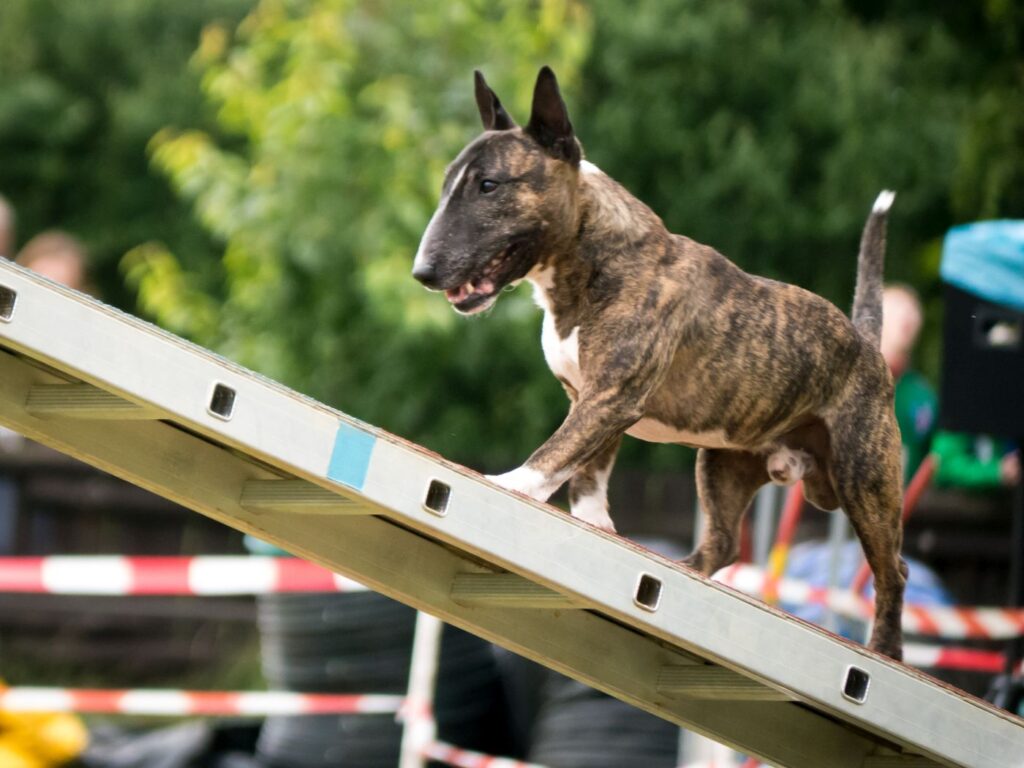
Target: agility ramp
[{"x": 185, "y": 424}]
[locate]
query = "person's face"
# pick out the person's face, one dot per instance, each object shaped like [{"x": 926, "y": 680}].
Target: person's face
[
  {"x": 6, "y": 235},
  {"x": 901, "y": 322},
  {"x": 60, "y": 269}
]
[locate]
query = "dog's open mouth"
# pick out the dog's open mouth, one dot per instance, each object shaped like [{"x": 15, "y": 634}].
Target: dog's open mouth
[
  {"x": 480, "y": 292},
  {"x": 474, "y": 296}
]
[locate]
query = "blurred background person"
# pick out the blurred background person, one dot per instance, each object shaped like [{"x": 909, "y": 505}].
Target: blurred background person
[
  {"x": 58, "y": 256},
  {"x": 53, "y": 254},
  {"x": 7, "y": 233},
  {"x": 916, "y": 401}
]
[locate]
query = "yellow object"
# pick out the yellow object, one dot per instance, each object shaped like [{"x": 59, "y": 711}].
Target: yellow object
[
  {"x": 776, "y": 567},
  {"x": 59, "y": 738},
  {"x": 777, "y": 561},
  {"x": 40, "y": 739},
  {"x": 14, "y": 755}
]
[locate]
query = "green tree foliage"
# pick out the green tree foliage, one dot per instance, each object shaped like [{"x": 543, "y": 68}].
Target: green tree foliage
[
  {"x": 989, "y": 178},
  {"x": 988, "y": 77},
  {"x": 312, "y": 157},
  {"x": 766, "y": 129},
  {"x": 83, "y": 88},
  {"x": 343, "y": 116}
]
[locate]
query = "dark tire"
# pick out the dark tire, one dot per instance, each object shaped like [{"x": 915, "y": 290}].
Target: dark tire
[
  {"x": 384, "y": 671},
  {"x": 602, "y": 732},
  {"x": 470, "y": 702},
  {"x": 330, "y": 741},
  {"x": 361, "y": 643}
]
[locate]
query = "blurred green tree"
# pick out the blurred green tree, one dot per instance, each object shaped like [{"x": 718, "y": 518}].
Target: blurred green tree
[
  {"x": 766, "y": 129},
  {"x": 763, "y": 129},
  {"x": 988, "y": 179},
  {"x": 342, "y": 117},
  {"x": 83, "y": 88}
]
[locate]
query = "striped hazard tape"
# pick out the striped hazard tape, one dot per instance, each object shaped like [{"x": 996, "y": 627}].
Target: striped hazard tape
[
  {"x": 177, "y": 703},
  {"x": 950, "y": 622},
  {"x": 203, "y": 575},
  {"x": 964, "y": 659},
  {"x": 255, "y": 575}
]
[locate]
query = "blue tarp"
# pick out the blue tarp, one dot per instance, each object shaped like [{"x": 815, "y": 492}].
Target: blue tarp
[{"x": 987, "y": 259}]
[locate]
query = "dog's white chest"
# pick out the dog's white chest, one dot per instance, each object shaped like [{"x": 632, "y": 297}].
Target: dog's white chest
[{"x": 562, "y": 355}]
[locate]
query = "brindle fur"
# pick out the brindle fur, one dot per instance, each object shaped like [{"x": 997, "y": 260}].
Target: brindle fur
[{"x": 670, "y": 329}]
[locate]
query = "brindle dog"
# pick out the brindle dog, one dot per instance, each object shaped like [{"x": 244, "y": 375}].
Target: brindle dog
[{"x": 662, "y": 338}]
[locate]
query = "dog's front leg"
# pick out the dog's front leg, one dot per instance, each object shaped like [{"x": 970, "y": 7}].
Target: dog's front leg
[
  {"x": 585, "y": 444},
  {"x": 628, "y": 364},
  {"x": 588, "y": 488}
]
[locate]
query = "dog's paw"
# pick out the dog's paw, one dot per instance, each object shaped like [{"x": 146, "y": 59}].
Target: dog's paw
[
  {"x": 526, "y": 481},
  {"x": 593, "y": 510}
]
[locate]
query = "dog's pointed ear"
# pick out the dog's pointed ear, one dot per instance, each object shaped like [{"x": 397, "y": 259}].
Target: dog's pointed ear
[
  {"x": 493, "y": 115},
  {"x": 549, "y": 121}
]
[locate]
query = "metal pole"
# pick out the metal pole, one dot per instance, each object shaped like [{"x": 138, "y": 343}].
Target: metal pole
[
  {"x": 765, "y": 505},
  {"x": 420, "y": 728},
  {"x": 837, "y": 531}
]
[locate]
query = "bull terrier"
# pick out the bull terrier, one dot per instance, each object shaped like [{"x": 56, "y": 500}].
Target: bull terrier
[{"x": 656, "y": 336}]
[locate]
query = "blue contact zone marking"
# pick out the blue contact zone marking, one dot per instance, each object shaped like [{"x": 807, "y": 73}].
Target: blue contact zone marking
[{"x": 351, "y": 457}]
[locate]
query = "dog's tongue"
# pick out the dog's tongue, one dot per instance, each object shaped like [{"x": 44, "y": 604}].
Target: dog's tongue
[{"x": 464, "y": 291}]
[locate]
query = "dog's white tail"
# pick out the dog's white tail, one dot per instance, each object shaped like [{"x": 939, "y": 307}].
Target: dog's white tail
[
  {"x": 867, "y": 299},
  {"x": 884, "y": 201}
]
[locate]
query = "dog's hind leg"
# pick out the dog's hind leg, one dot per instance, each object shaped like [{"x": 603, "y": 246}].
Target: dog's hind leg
[
  {"x": 726, "y": 483},
  {"x": 868, "y": 483},
  {"x": 588, "y": 488}
]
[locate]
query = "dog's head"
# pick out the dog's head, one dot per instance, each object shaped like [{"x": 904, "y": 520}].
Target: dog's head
[{"x": 508, "y": 200}]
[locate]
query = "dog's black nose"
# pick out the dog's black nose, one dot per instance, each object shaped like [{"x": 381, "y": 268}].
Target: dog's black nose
[{"x": 426, "y": 274}]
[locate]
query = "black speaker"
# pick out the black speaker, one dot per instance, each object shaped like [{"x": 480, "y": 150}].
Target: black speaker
[{"x": 983, "y": 367}]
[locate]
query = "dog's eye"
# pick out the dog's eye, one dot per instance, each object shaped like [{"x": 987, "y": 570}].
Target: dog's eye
[{"x": 488, "y": 185}]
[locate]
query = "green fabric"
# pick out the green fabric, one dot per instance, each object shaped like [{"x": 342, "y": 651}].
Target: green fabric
[
  {"x": 916, "y": 408},
  {"x": 967, "y": 461}
]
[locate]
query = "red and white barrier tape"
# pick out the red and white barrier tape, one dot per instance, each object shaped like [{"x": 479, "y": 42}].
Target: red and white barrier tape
[
  {"x": 964, "y": 659},
  {"x": 175, "y": 703},
  {"x": 180, "y": 703},
  {"x": 951, "y": 622},
  {"x": 204, "y": 575},
  {"x": 247, "y": 575},
  {"x": 464, "y": 758}
]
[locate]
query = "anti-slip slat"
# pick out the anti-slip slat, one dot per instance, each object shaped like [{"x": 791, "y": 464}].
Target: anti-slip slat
[
  {"x": 707, "y": 682},
  {"x": 506, "y": 589},
  {"x": 82, "y": 401},
  {"x": 298, "y": 496},
  {"x": 223, "y": 427}
]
